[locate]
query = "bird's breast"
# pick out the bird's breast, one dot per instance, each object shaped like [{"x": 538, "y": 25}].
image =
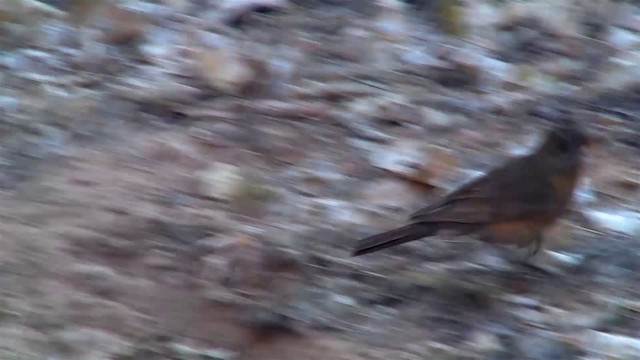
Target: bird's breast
[
  {"x": 516, "y": 232},
  {"x": 563, "y": 187}
]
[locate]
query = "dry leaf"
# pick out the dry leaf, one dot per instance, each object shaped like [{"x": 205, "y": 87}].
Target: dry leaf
[
  {"x": 412, "y": 161},
  {"x": 125, "y": 25},
  {"x": 438, "y": 164}
]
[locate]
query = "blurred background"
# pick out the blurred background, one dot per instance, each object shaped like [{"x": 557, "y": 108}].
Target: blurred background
[{"x": 185, "y": 179}]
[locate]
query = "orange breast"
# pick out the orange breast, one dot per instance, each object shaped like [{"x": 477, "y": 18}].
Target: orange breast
[
  {"x": 519, "y": 232},
  {"x": 563, "y": 186}
]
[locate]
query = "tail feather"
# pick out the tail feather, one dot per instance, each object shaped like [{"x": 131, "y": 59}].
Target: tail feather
[{"x": 392, "y": 238}]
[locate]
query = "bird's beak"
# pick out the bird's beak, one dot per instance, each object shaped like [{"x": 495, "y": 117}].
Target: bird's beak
[{"x": 594, "y": 140}]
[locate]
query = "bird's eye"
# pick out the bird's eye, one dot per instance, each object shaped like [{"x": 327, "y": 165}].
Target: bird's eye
[{"x": 562, "y": 144}]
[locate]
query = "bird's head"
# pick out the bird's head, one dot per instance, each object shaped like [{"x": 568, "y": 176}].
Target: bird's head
[{"x": 565, "y": 138}]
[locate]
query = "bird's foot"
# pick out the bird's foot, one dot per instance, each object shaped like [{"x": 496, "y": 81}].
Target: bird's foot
[
  {"x": 536, "y": 263},
  {"x": 552, "y": 262},
  {"x": 534, "y": 248},
  {"x": 536, "y": 267}
]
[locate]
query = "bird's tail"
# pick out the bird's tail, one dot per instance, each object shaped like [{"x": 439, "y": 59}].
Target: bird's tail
[{"x": 393, "y": 237}]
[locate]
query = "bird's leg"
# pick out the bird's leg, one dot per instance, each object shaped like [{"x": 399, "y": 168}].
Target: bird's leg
[
  {"x": 534, "y": 249},
  {"x": 535, "y": 246}
]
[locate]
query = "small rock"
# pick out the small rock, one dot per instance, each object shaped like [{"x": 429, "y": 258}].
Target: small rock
[
  {"x": 178, "y": 6},
  {"x": 101, "y": 279},
  {"x": 555, "y": 262},
  {"x": 284, "y": 69},
  {"x": 437, "y": 119},
  {"x": 585, "y": 318},
  {"x": 86, "y": 343},
  {"x": 173, "y": 149},
  {"x": 611, "y": 175},
  {"x": 253, "y": 194},
  {"x": 208, "y": 354},
  {"x": 391, "y": 22},
  {"x": 617, "y": 220},
  {"x": 481, "y": 20},
  {"x": 584, "y": 193},
  {"x": 388, "y": 194},
  {"x": 388, "y": 108},
  {"x": 627, "y": 17},
  {"x": 220, "y": 181},
  {"x": 159, "y": 50},
  {"x": 8, "y": 104},
  {"x": 565, "y": 258},
  {"x": 214, "y": 269},
  {"x": 316, "y": 178},
  {"x": 440, "y": 351},
  {"x": 532, "y": 316},
  {"x": 485, "y": 343},
  {"x": 544, "y": 345},
  {"x": 345, "y": 300},
  {"x": 563, "y": 69},
  {"x": 21, "y": 337},
  {"x": 160, "y": 259},
  {"x": 418, "y": 56},
  {"x": 225, "y": 70},
  {"x": 522, "y": 300},
  {"x": 611, "y": 346},
  {"x": 534, "y": 79},
  {"x": 458, "y": 69},
  {"x": 496, "y": 72},
  {"x": 341, "y": 213},
  {"x": 623, "y": 39},
  {"x": 23, "y": 11},
  {"x": 155, "y": 87},
  {"x": 621, "y": 72},
  {"x": 244, "y": 268},
  {"x": 213, "y": 243},
  {"x": 340, "y": 306},
  {"x": 492, "y": 260}
]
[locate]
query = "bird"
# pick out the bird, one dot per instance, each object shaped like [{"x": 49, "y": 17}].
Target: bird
[{"x": 513, "y": 204}]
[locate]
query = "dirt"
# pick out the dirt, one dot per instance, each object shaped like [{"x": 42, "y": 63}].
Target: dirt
[{"x": 146, "y": 214}]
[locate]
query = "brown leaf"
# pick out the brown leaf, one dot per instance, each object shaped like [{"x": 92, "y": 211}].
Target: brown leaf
[{"x": 125, "y": 25}]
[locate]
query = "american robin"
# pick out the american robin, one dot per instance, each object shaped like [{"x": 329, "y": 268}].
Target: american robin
[{"x": 513, "y": 204}]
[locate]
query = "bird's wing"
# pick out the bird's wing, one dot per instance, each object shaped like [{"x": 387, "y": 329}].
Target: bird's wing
[
  {"x": 467, "y": 204},
  {"x": 512, "y": 191}
]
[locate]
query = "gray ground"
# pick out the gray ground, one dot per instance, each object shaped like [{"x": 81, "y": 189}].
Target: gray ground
[{"x": 185, "y": 181}]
